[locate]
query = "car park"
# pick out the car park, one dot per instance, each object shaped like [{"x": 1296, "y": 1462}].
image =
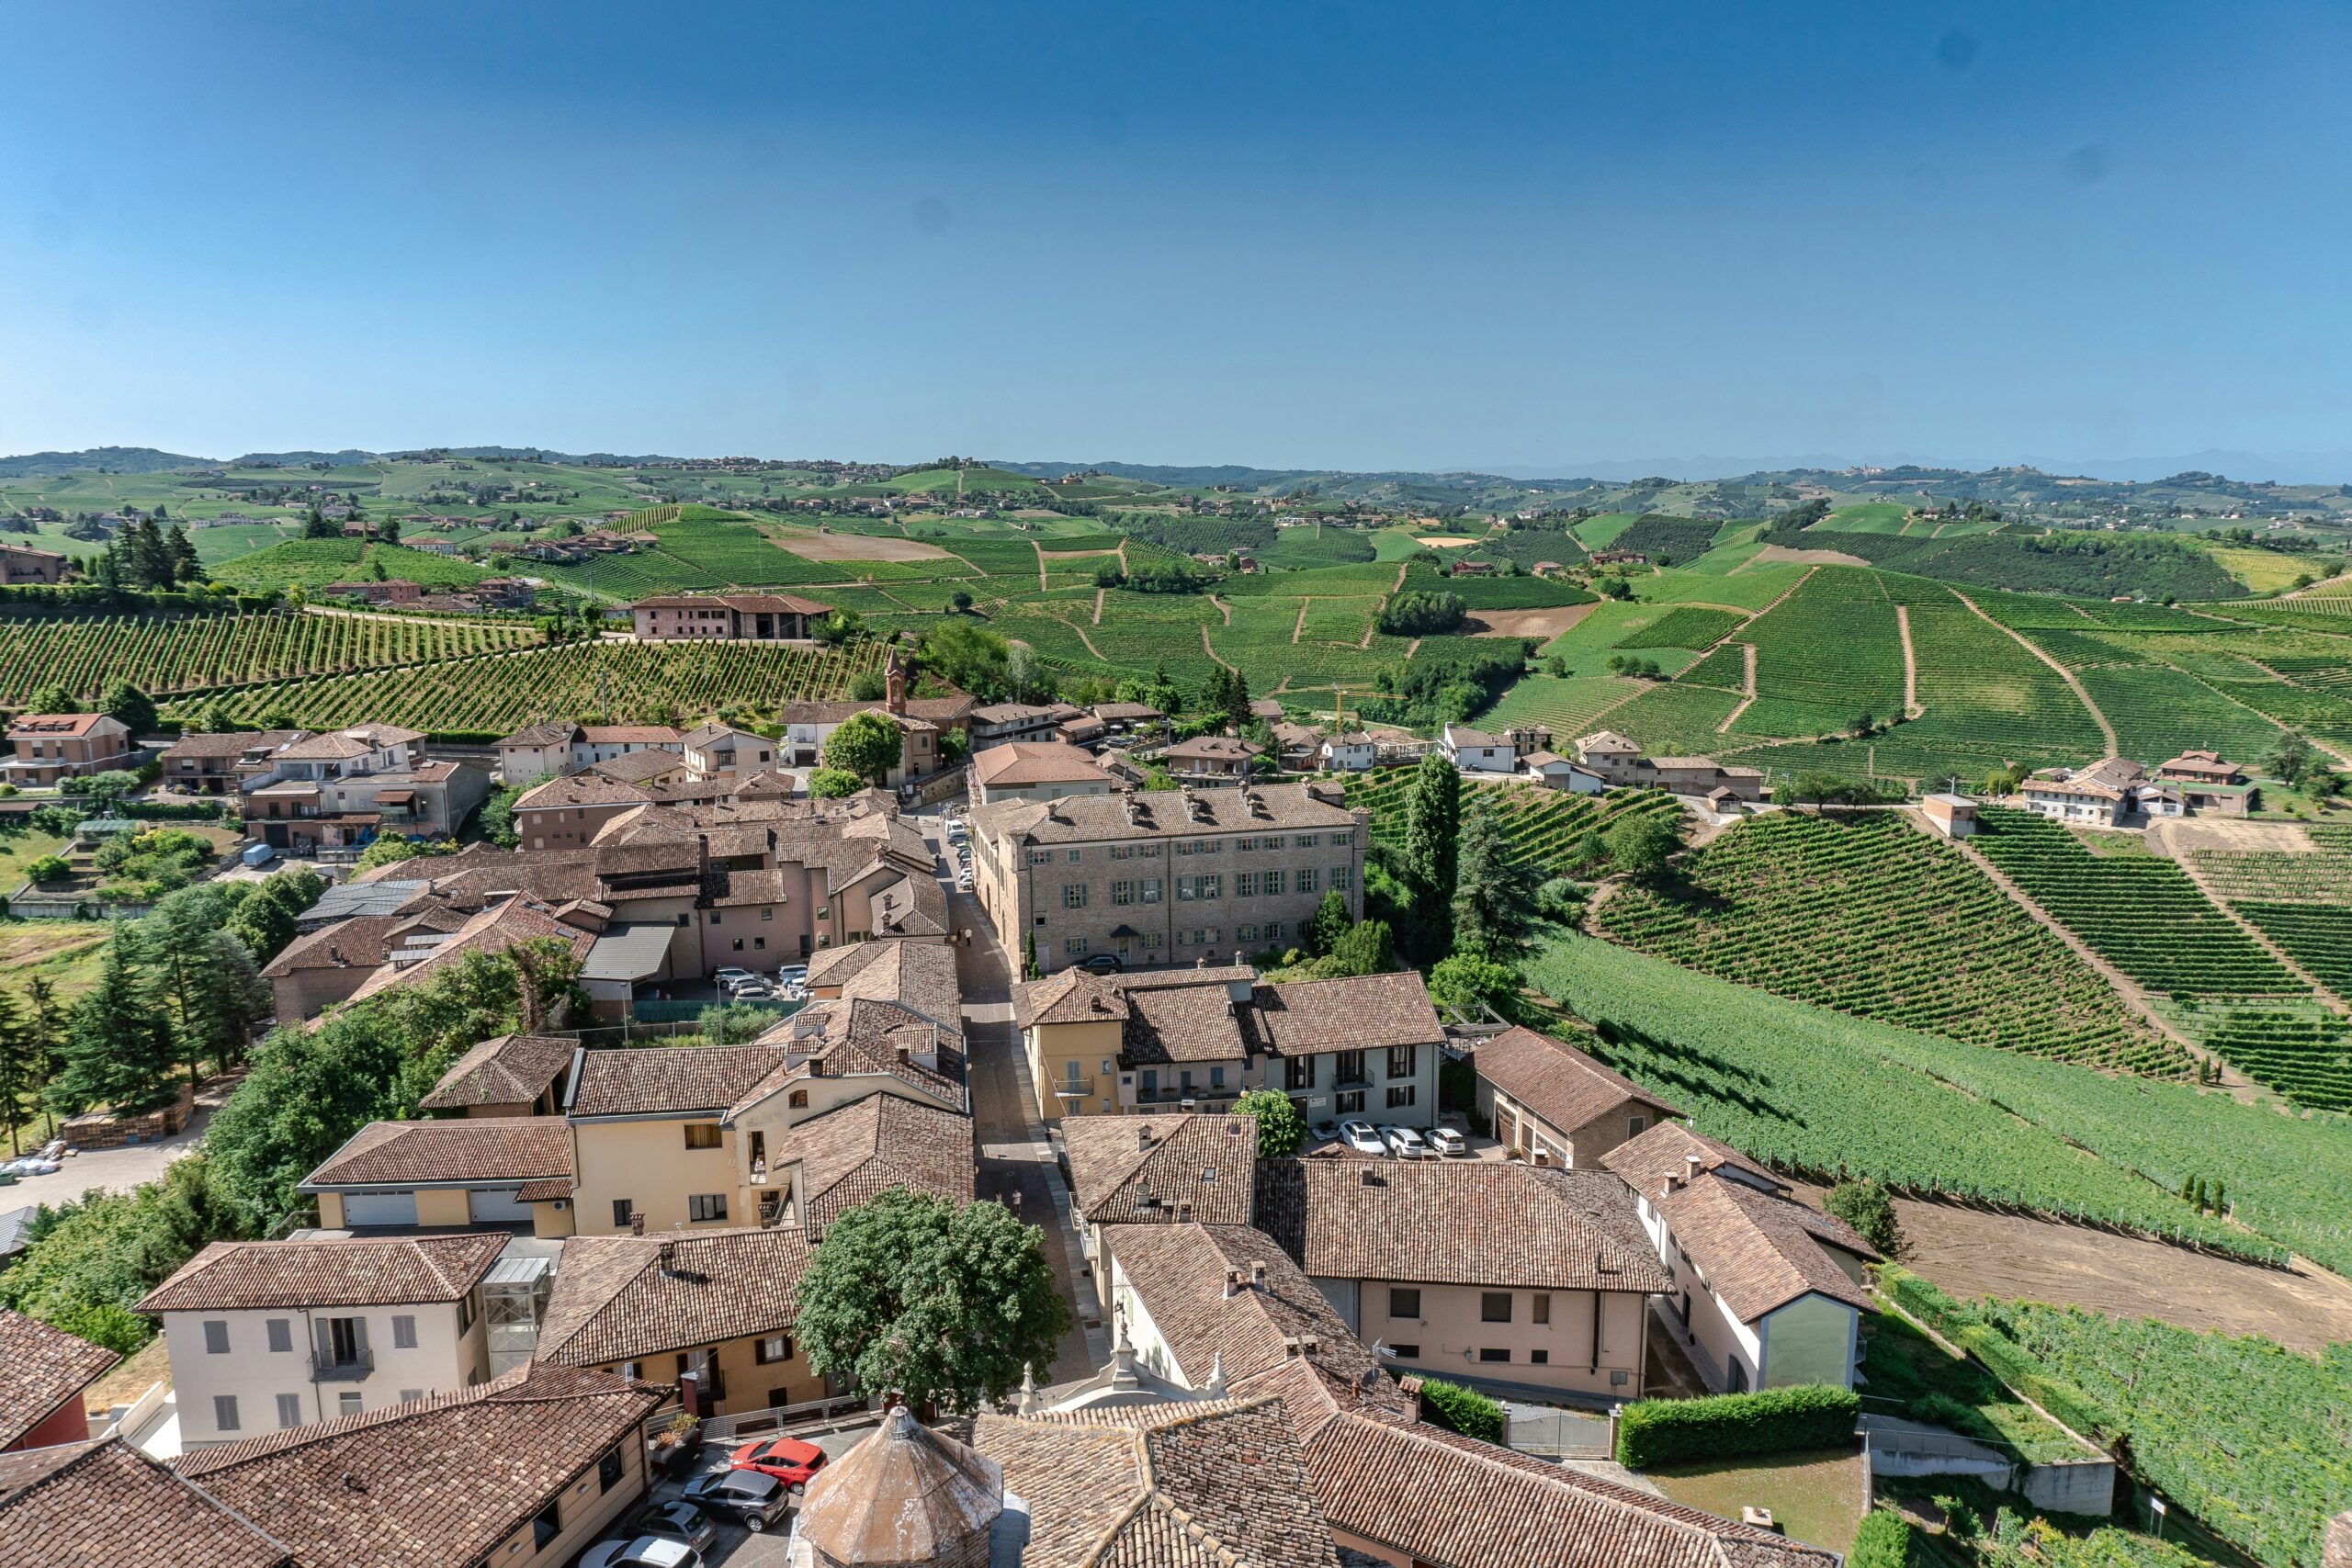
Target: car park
[
  {"x": 674, "y": 1521},
  {"x": 1447, "y": 1141},
  {"x": 1404, "y": 1142},
  {"x": 755, "y": 990},
  {"x": 645, "y": 1552},
  {"x": 792, "y": 973},
  {"x": 1362, "y": 1137},
  {"x": 750, "y": 1499},
  {"x": 787, "y": 1460}
]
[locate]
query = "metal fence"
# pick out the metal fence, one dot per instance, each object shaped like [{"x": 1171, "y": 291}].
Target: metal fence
[{"x": 1543, "y": 1429}]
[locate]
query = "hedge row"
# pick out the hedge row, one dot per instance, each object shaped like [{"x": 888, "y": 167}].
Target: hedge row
[
  {"x": 1668, "y": 1431},
  {"x": 1883, "y": 1541},
  {"x": 1463, "y": 1410},
  {"x": 2002, "y": 1357}
]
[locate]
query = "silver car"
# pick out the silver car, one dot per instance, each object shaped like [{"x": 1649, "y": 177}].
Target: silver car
[{"x": 1404, "y": 1142}]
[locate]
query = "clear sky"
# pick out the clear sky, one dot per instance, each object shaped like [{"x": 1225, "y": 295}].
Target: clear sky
[{"x": 1326, "y": 234}]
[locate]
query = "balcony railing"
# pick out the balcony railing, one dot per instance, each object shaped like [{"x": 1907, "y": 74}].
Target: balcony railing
[
  {"x": 1073, "y": 1089},
  {"x": 358, "y": 1368},
  {"x": 1196, "y": 1091}
]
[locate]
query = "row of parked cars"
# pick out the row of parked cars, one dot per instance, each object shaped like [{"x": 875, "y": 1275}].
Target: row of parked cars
[
  {"x": 959, "y": 840},
  {"x": 788, "y": 983},
  {"x": 1397, "y": 1143},
  {"x": 754, "y": 1488}
]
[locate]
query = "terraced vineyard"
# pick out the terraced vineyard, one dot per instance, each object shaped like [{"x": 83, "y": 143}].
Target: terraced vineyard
[
  {"x": 169, "y": 654},
  {"x": 495, "y": 693},
  {"x": 1815, "y": 1093},
  {"x": 1542, "y": 826},
  {"x": 1871, "y": 917},
  {"x": 2305, "y": 1056},
  {"x": 2139, "y": 912}
]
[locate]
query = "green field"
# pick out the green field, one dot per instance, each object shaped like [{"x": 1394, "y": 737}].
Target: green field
[
  {"x": 1870, "y": 916},
  {"x": 1815, "y": 1092}
]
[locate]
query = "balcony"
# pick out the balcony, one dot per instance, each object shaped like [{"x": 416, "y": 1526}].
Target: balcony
[
  {"x": 1204, "y": 1094},
  {"x": 357, "y": 1368},
  {"x": 1073, "y": 1089}
]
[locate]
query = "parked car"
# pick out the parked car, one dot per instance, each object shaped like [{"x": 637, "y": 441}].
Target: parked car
[
  {"x": 726, "y": 979},
  {"x": 1102, "y": 963},
  {"x": 754, "y": 990},
  {"x": 750, "y": 1499},
  {"x": 788, "y": 1460},
  {"x": 645, "y": 1552},
  {"x": 791, "y": 972},
  {"x": 1446, "y": 1141},
  {"x": 676, "y": 1521},
  {"x": 1325, "y": 1131},
  {"x": 1404, "y": 1142},
  {"x": 797, "y": 991},
  {"x": 1362, "y": 1137}
]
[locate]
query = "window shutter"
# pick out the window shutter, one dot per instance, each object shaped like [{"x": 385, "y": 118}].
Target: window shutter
[
  {"x": 281, "y": 1333},
  {"x": 403, "y": 1333},
  {"x": 360, "y": 1335},
  {"x": 216, "y": 1336},
  {"x": 324, "y": 1330}
]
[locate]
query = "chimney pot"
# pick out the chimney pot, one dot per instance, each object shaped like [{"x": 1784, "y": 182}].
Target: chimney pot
[
  {"x": 636, "y": 1222},
  {"x": 1258, "y": 1273},
  {"x": 1232, "y": 1284}
]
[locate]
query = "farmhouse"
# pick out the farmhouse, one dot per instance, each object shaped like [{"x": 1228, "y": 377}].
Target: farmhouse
[
  {"x": 1475, "y": 750},
  {"x": 1212, "y": 756},
  {"x": 2115, "y": 789},
  {"x": 760, "y": 617},
  {"x": 1619, "y": 762},
  {"x": 1767, "y": 1292},
  {"x": 560, "y": 747},
  {"x": 1353, "y": 752},
  {"x": 22, "y": 564}
]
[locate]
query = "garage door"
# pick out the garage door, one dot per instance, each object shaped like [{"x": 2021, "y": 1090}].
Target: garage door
[
  {"x": 379, "y": 1208},
  {"x": 496, "y": 1204}
]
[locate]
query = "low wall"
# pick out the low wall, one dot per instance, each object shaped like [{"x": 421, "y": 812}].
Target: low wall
[{"x": 2085, "y": 1485}]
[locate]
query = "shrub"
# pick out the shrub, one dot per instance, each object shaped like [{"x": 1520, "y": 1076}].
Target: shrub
[
  {"x": 1865, "y": 1206},
  {"x": 1463, "y": 1410},
  {"x": 1883, "y": 1541},
  {"x": 1668, "y": 1431},
  {"x": 48, "y": 868},
  {"x": 1279, "y": 1128}
]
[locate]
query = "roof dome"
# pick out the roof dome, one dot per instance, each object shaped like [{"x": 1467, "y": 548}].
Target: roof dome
[{"x": 907, "y": 1495}]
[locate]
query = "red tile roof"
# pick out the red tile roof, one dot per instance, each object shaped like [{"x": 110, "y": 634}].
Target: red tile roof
[
  {"x": 470, "y": 1149},
  {"x": 625, "y": 1298},
  {"x": 235, "y": 1276},
  {"x": 1131, "y": 1169},
  {"x": 85, "y": 1505},
  {"x": 40, "y": 1368},
  {"x": 1559, "y": 1082},
  {"x": 510, "y": 1069}
]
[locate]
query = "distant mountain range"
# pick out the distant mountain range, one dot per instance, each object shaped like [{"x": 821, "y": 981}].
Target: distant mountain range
[{"x": 148, "y": 460}]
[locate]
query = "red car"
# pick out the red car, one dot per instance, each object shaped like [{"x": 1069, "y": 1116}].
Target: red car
[{"x": 788, "y": 1459}]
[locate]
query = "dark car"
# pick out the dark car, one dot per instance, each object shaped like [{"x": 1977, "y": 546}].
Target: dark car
[
  {"x": 1102, "y": 963},
  {"x": 677, "y": 1521},
  {"x": 750, "y": 1499},
  {"x": 789, "y": 1459}
]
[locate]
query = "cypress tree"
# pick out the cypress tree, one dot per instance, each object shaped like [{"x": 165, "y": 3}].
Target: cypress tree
[
  {"x": 119, "y": 1051},
  {"x": 1432, "y": 822}
]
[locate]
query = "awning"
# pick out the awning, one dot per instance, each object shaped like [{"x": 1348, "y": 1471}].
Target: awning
[
  {"x": 396, "y": 797},
  {"x": 1124, "y": 930},
  {"x": 628, "y": 953}
]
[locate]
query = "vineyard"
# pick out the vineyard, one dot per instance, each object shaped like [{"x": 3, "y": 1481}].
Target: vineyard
[
  {"x": 1541, "y": 825},
  {"x": 1870, "y": 916},
  {"x": 1827, "y": 653},
  {"x": 495, "y": 693},
  {"x": 1814, "y": 1092},
  {"x": 163, "y": 655},
  {"x": 2250, "y": 1438},
  {"x": 1690, "y": 627},
  {"x": 2139, "y": 912}
]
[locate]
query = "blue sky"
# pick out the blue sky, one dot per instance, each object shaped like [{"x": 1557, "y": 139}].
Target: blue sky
[{"x": 1329, "y": 234}]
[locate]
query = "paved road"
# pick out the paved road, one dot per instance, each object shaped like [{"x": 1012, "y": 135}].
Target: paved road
[
  {"x": 1015, "y": 1160},
  {"x": 116, "y": 1170}
]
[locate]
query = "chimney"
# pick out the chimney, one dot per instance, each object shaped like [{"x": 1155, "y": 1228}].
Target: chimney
[
  {"x": 1411, "y": 1388},
  {"x": 1290, "y": 1345},
  {"x": 702, "y": 855},
  {"x": 1310, "y": 1345},
  {"x": 1690, "y": 1164},
  {"x": 1237, "y": 958},
  {"x": 1143, "y": 1137},
  {"x": 1232, "y": 1284},
  {"x": 669, "y": 1256},
  {"x": 1202, "y": 962},
  {"x": 1258, "y": 1274},
  {"x": 904, "y": 1055},
  {"x": 1183, "y": 1211},
  {"x": 636, "y": 1222}
]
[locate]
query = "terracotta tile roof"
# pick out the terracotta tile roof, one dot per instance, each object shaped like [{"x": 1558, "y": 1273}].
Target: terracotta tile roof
[
  {"x": 1180, "y": 1023},
  {"x": 48, "y": 724},
  {"x": 847, "y": 1037},
  {"x": 625, "y": 1298},
  {"x": 227, "y": 743},
  {"x": 1758, "y": 1252},
  {"x": 936, "y": 710},
  {"x": 593, "y": 787},
  {"x": 1363, "y": 1013},
  {"x": 1021, "y": 762},
  {"x": 40, "y": 1368},
  {"x": 361, "y": 942},
  {"x": 466, "y": 1149},
  {"x": 442, "y": 1480},
  {"x": 496, "y": 928},
  {"x": 855, "y": 1151},
  {"x": 1070, "y": 996},
  {"x": 639, "y": 767},
  {"x": 1181, "y": 1273},
  {"x": 670, "y": 1078},
  {"x": 554, "y": 732},
  {"x": 84, "y": 1504},
  {"x": 1092, "y": 819},
  {"x": 1473, "y": 1222},
  {"x": 918, "y": 975},
  {"x": 1666, "y": 1149},
  {"x": 1191, "y": 1485},
  {"x": 629, "y": 734},
  {"x": 511, "y": 1069},
  {"x": 235, "y": 1276},
  {"x": 1118, "y": 1178},
  {"x": 1213, "y": 749},
  {"x": 1559, "y": 1082},
  {"x": 1380, "y": 1480}
]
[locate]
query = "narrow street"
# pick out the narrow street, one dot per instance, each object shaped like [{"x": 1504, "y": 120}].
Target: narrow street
[{"x": 1016, "y": 1159}]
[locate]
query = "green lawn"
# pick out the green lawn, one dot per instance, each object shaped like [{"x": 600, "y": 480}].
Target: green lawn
[{"x": 1816, "y": 1496}]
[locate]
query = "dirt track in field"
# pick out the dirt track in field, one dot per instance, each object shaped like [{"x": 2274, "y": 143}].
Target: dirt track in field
[
  {"x": 1545, "y": 623},
  {"x": 1771, "y": 553},
  {"x": 1972, "y": 1253}
]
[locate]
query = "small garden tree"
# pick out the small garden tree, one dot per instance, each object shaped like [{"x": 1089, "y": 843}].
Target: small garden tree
[
  {"x": 867, "y": 745},
  {"x": 1280, "y": 1127},
  {"x": 832, "y": 784}
]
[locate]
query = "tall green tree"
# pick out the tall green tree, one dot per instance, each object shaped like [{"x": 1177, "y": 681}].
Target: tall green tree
[
  {"x": 867, "y": 744},
  {"x": 1367, "y": 948},
  {"x": 1330, "y": 924},
  {"x": 44, "y": 1036},
  {"x": 133, "y": 708},
  {"x": 51, "y": 698},
  {"x": 206, "y": 976},
  {"x": 120, "y": 1052},
  {"x": 1432, "y": 824},
  {"x": 1494, "y": 895},
  {"x": 930, "y": 1301},
  {"x": 16, "y": 1081},
  {"x": 1281, "y": 1129},
  {"x": 186, "y": 567}
]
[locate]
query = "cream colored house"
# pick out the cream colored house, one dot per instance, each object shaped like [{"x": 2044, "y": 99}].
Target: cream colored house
[
  {"x": 1479, "y": 1270},
  {"x": 269, "y": 1334},
  {"x": 1156, "y": 1170},
  {"x": 510, "y": 1173},
  {"x": 1765, "y": 1291}
]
